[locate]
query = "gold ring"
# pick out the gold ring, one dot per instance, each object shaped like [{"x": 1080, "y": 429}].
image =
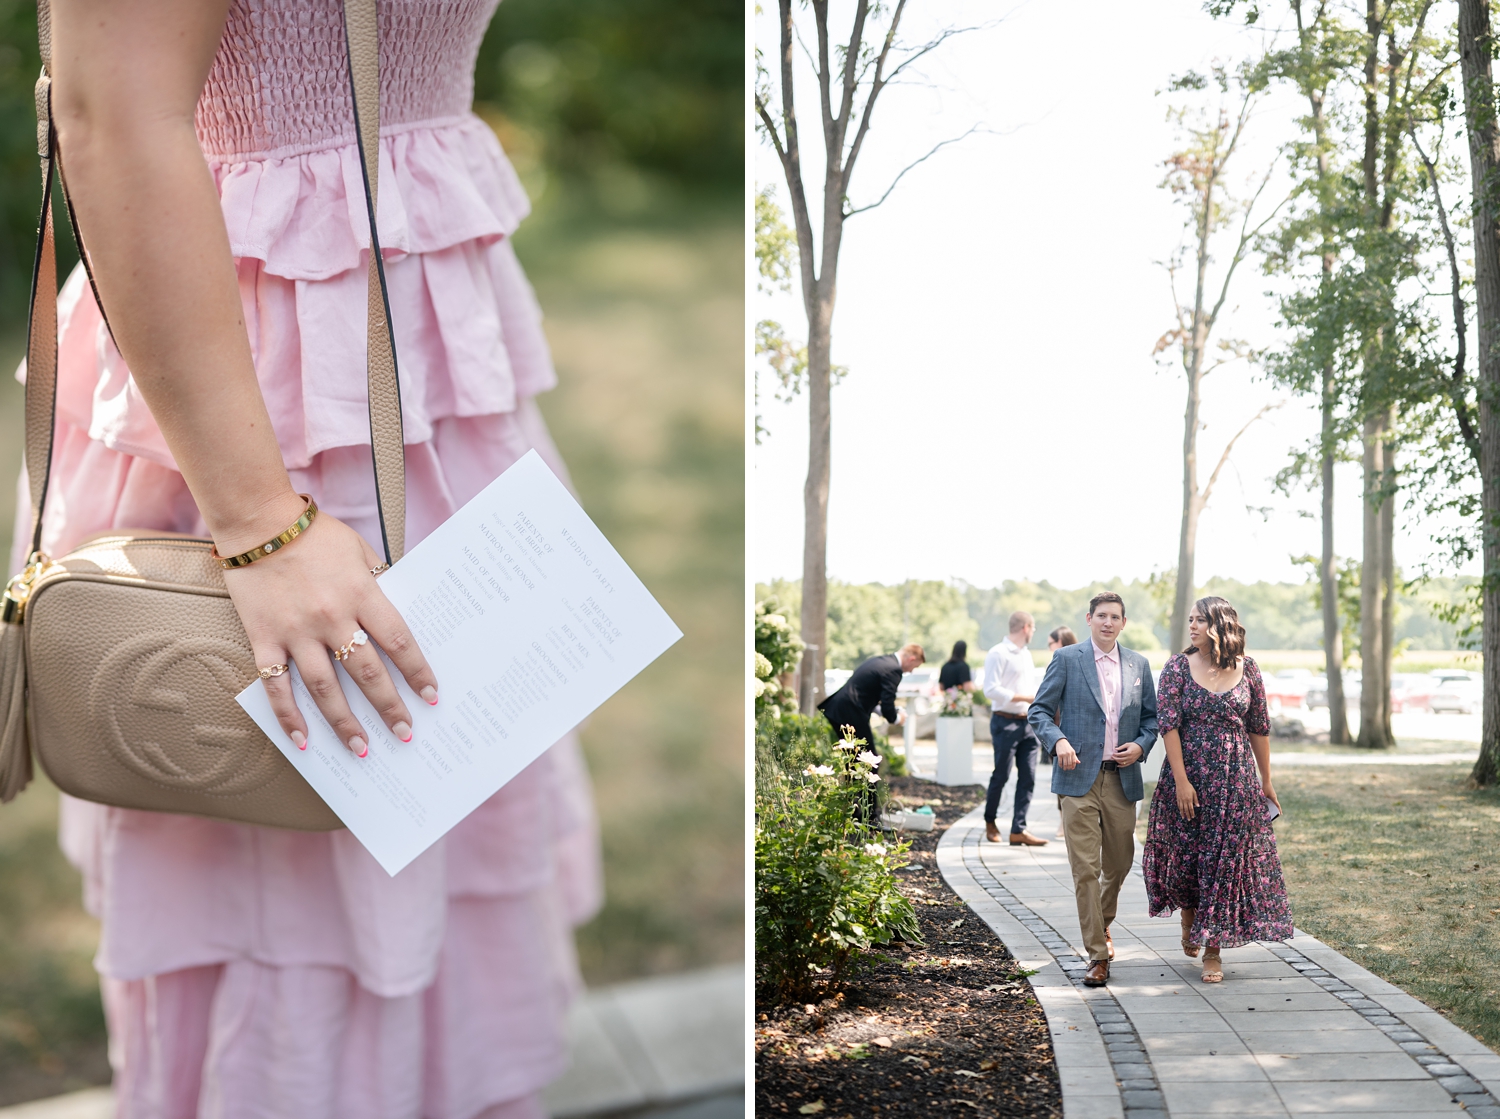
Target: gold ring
[
  {"x": 343, "y": 652},
  {"x": 272, "y": 671},
  {"x": 376, "y": 570}
]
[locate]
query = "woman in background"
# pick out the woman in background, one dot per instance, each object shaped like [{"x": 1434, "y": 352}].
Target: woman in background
[
  {"x": 956, "y": 673},
  {"x": 1210, "y": 850}
]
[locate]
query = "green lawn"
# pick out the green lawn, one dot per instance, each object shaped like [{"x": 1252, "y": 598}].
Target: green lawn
[{"x": 647, "y": 325}]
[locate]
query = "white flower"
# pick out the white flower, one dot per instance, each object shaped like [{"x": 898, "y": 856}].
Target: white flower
[
  {"x": 870, "y": 757},
  {"x": 763, "y": 667},
  {"x": 819, "y": 770},
  {"x": 776, "y": 621},
  {"x": 872, "y": 777},
  {"x": 875, "y": 848},
  {"x": 845, "y": 746}
]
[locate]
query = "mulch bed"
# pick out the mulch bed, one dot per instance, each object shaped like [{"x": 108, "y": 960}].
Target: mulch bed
[{"x": 947, "y": 1028}]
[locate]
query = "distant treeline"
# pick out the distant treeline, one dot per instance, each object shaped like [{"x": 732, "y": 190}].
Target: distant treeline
[{"x": 869, "y": 618}]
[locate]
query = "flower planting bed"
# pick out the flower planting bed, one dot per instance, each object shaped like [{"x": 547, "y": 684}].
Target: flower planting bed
[{"x": 949, "y": 1027}]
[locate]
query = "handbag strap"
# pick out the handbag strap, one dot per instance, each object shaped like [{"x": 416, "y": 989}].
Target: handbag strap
[{"x": 387, "y": 446}]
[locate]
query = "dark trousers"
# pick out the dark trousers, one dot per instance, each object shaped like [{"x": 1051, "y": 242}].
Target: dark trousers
[{"x": 1014, "y": 740}]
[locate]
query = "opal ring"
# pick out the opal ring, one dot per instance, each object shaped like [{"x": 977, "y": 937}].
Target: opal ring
[{"x": 270, "y": 672}]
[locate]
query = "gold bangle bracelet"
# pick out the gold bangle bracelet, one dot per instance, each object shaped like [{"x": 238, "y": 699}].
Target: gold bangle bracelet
[{"x": 276, "y": 543}]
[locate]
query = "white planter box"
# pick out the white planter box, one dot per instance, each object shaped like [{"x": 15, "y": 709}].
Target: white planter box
[
  {"x": 981, "y": 724},
  {"x": 907, "y": 821},
  {"x": 955, "y": 747}
]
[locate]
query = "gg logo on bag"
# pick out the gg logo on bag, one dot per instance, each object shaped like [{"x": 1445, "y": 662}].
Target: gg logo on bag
[{"x": 168, "y": 687}]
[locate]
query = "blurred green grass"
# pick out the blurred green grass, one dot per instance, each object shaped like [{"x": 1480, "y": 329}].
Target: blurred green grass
[
  {"x": 646, "y": 323},
  {"x": 646, "y": 320}
]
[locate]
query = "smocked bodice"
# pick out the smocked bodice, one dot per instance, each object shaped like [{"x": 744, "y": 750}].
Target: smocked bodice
[{"x": 279, "y": 85}]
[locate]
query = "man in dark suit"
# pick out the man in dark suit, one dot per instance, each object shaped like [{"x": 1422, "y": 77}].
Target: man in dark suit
[{"x": 873, "y": 685}]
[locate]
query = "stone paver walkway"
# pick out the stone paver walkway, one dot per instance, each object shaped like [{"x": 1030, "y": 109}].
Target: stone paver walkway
[{"x": 1295, "y": 1029}]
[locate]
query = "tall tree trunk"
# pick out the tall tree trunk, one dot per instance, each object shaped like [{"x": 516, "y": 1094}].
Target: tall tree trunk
[
  {"x": 1371, "y": 601},
  {"x": 1192, "y": 505},
  {"x": 1475, "y": 44},
  {"x": 1388, "y": 584},
  {"x": 1328, "y": 580},
  {"x": 1333, "y": 634},
  {"x": 815, "y": 500}
]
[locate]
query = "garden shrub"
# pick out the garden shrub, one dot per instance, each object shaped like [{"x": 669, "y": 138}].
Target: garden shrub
[
  {"x": 777, "y": 650},
  {"x": 895, "y": 763},
  {"x": 786, "y": 746},
  {"x": 825, "y": 884}
]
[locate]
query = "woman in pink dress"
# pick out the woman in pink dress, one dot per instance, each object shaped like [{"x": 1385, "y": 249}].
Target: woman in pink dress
[{"x": 209, "y": 148}]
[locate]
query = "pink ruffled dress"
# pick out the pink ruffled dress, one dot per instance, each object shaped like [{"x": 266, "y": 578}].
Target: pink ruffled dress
[{"x": 252, "y": 972}]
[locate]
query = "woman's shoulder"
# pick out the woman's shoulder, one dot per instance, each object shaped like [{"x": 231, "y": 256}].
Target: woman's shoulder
[{"x": 1251, "y": 668}]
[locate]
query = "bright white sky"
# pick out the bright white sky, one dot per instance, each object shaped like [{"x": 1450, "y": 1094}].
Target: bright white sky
[{"x": 1004, "y": 416}]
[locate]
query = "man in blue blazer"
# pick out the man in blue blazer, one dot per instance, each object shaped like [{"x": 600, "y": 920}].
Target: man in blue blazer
[{"x": 1095, "y": 713}]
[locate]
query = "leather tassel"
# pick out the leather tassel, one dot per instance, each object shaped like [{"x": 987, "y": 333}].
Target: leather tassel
[{"x": 15, "y": 745}]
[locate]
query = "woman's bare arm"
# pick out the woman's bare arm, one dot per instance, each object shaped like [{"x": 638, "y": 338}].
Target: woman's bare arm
[
  {"x": 1260, "y": 745},
  {"x": 127, "y": 75}
]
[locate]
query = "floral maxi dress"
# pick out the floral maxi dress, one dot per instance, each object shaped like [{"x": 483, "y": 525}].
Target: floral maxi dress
[{"x": 1223, "y": 862}]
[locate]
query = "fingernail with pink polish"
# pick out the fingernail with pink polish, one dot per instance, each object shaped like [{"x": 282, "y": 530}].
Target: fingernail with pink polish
[
  {"x": 299, "y": 740},
  {"x": 358, "y": 746},
  {"x": 429, "y": 693},
  {"x": 403, "y": 732}
]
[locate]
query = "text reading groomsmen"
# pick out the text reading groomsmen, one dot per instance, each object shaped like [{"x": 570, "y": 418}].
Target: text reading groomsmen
[{"x": 1104, "y": 698}]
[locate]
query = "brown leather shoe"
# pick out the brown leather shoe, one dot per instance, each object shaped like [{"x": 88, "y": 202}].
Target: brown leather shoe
[
  {"x": 1097, "y": 974},
  {"x": 1024, "y": 839},
  {"x": 991, "y": 832},
  {"x": 1110, "y": 943}
]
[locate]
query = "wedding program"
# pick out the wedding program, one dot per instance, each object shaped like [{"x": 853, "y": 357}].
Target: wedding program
[{"x": 529, "y": 619}]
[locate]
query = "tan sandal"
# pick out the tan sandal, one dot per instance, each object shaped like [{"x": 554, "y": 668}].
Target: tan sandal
[
  {"x": 1213, "y": 971},
  {"x": 1188, "y": 947}
]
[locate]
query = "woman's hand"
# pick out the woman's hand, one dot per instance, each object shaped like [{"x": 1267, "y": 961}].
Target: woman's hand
[
  {"x": 1187, "y": 799},
  {"x": 1270, "y": 793},
  {"x": 300, "y": 603}
]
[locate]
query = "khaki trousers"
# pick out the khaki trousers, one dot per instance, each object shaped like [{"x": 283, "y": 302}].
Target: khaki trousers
[{"x": 1099, "y": 828}]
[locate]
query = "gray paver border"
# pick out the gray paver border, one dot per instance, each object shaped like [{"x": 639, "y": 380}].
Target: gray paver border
[
  {"x": 1088, "y": 1065},
  {"x": 1105, "y": 1070}
]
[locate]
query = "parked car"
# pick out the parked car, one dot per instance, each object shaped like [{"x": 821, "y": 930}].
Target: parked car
[
  {"x": 1462, "y": 696},
  {"x": 1288, "y": 688},
  {"x": 1317, "y": 690},
  {"x": 1442, "y": 675},
  {"x": 1412, "y": 691}
]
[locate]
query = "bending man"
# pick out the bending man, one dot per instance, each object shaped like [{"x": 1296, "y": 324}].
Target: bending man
[{"x": 873, "y": 685}]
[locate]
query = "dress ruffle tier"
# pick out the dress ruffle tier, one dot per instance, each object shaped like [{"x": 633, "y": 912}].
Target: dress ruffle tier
[
  {"x": 250, "y": 972},
  {"x": 468, "y": 329}
]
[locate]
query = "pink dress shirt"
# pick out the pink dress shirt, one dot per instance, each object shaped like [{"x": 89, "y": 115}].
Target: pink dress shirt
[{"x": 1108, "y": 667}]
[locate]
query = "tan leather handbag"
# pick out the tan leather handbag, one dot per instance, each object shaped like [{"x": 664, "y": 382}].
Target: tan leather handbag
[{"x": 120, "y": 661}]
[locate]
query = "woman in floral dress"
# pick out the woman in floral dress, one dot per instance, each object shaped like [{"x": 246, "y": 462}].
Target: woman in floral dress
[{"x": 1210, "y": 850}]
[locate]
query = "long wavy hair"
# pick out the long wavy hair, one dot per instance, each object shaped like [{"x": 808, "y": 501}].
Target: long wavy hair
[{"x": 1226, "y": 637}]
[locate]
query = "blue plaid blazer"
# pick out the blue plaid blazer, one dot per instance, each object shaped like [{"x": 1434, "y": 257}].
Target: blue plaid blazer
[{"x": 1070, "y": 705}]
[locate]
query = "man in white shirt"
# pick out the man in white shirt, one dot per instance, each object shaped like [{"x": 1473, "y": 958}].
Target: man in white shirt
[{"x": 1009, "y": 681}]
